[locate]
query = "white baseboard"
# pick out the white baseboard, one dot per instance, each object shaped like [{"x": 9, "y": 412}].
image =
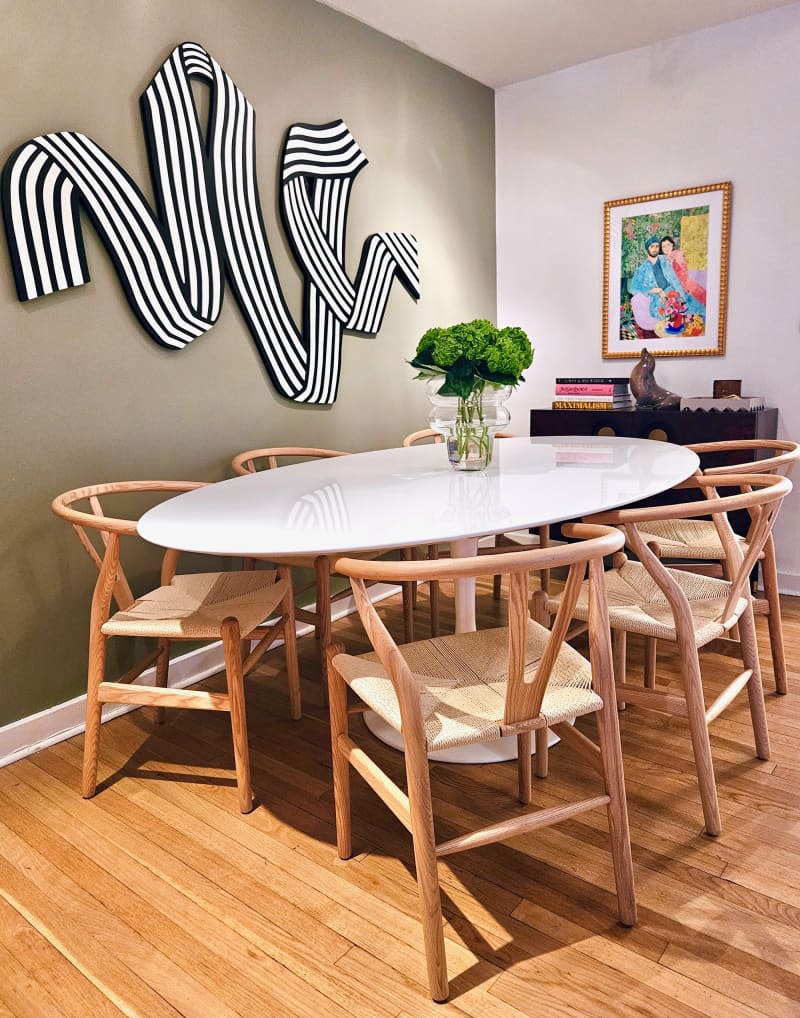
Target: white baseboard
[{"x": 29, "y": 735}]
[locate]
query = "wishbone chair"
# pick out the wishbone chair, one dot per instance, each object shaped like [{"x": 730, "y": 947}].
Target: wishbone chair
[
  {"x": 692, "y": 610},
  {"x": 478, "y": 687},
  {"x": 228, "y": 606}
]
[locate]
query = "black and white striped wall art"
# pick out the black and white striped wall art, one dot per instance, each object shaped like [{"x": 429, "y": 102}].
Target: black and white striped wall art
[{"x": 207, "y": 225}]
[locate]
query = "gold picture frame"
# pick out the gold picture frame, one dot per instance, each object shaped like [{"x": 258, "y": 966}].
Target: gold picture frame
[{"x": 671, "y": 298}]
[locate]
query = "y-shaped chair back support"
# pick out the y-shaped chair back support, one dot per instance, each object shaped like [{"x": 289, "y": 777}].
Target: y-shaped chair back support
[
  {"x": 208, "y": 606},
  {"x": 547, "y": 684},
  {"x": 728, "y": 606}
]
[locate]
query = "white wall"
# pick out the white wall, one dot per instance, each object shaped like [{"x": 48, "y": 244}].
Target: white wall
[{"x": 721, "y": 104}]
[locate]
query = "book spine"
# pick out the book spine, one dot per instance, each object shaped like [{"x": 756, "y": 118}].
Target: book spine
[
  {"x": 597, "y": 404},
  {"x": 592, "y": 381},
  {"x": 589, "y": 389},
  {"x": 583, "y": 398}
]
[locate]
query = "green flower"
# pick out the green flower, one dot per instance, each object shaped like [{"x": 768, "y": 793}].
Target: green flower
[
  {"x": 428, "y": 340},
  {"x": 473, "y": 354},
  {"x": 511, "y": 354},
  {"x": 447, "y": 349},
  {"x": 476, "y": 338}
]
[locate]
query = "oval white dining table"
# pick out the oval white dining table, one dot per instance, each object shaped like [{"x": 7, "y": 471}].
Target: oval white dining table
[{"x": 395, "y": 498}]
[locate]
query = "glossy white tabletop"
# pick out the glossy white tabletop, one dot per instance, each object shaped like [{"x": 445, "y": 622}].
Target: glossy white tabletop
[{"x": 401, "y": 497}]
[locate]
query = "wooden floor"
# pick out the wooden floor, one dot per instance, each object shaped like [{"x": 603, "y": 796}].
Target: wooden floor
[{"x": 158, "y": 898}]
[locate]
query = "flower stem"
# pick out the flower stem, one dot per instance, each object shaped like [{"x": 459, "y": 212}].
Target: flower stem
[{"x": 471, "y": 432}]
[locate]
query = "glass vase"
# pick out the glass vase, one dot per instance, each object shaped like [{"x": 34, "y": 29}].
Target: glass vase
[{"x": 469, "y": 424}]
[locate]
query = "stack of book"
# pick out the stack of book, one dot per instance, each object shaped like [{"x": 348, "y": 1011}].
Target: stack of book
[{"x": 592, "y": 394}]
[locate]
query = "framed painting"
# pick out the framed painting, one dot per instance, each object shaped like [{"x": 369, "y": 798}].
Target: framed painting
[{"x": 665, "y": 273}]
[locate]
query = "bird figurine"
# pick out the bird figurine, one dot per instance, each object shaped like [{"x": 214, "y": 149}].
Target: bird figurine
[{"x": 647, "y": 393}]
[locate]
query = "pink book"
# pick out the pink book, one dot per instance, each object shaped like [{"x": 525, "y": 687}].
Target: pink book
[{"x": 589, "y": 389}]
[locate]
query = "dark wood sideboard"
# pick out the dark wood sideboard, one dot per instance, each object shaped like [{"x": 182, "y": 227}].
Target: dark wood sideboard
[{"x": 680, "y": 427}]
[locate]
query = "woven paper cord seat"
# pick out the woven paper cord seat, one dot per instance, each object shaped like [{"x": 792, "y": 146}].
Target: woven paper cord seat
[
  {"x": 637, "y": 604},
  {"x": 462, "y": 684},
  {"x": 194, "y": 606},
  {"x": 696, "y": 539}
]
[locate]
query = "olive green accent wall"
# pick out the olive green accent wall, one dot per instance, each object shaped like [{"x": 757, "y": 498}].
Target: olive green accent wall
[{"x": 88, "y": 397}]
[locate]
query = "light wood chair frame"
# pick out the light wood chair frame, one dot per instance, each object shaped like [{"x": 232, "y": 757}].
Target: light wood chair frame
[
  {"x": 522, "y": 718},
  {"x": 783, "y": 458},
  {"x": 248, "y": 463},
  {"x": 502, "y": 543},
  {"x": 761, "y": 495},
  {"x": 112, "y": 585}
]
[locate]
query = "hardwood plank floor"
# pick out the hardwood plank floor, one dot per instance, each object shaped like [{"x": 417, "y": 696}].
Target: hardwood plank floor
[{"x": 158, "y": 898}]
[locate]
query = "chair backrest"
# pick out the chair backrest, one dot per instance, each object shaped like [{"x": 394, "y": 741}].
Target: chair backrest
[
  {"x": 250, "y": 462},
  {"x": 426, "y": 433},
  {"x": 776, "y": 456},
  {"x": 760, "y": 494},
  {"x": 104, "y": 551},
  {"x": 523, "y": 699}
]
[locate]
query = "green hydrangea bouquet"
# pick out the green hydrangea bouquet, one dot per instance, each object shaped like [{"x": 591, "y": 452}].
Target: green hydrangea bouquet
[
  {"x": 474, "y": 360},
  {"x": 471, "y": 355}
]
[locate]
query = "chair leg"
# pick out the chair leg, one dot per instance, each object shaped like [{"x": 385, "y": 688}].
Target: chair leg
[
  {"x": 322, "y": 573},
  {"x": 524, "y": 767},
  {"x": 162, "y": 676},
  {"x": 755, "y": 687},
  {"x": 409, "y": 599},
  {"x": 337, "y": 698},
  {"x": 603, "y": 680},
  {"x": 408, "y": 613},
  {"x": 290, "y": 648},
  {"x": 619, "y": 645},
  {"x": 231, "y": 643},
  {"x": 544, "y": 542},
  {"x": 422, "y": 832},
  {"x": 542, "y": 753},
  {"x": 94, "y": 710},
  {"x": 611, "y": 755},
  {"x": 433, "y": 592},
  {"x": 539, "y": 611},
  {"x": 650, "y": 654},
  {"x": 769, "y": 573},
  {"x": 701, "y": 745},
  {"x": 434, "y": 595}
]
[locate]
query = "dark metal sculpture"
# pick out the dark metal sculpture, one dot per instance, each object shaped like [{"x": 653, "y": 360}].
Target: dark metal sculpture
[{"x": 648, "y": 394}]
